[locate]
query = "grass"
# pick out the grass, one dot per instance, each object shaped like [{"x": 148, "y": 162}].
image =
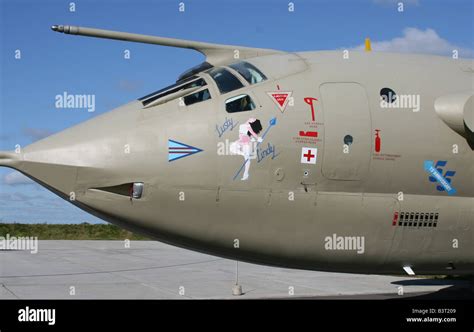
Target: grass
[{"x": 82, "y": 231}]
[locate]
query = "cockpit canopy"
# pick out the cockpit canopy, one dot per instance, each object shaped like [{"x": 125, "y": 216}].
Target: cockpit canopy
[
  {"x": 225, "y": 80},
  {"x": 194, "y": 70},
  {"x": 248, "y": 71},
  {"x": 192, "y": 89},
  {"x": 190, "y": 82}
]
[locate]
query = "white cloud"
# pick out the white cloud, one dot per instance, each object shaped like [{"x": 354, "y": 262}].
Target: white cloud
[
  {"x": 16, "y": 178},
  {"x": 419, "y": 41}
]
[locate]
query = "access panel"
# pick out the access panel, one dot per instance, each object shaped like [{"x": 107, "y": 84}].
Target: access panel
[{"x": 347, "y": 140}]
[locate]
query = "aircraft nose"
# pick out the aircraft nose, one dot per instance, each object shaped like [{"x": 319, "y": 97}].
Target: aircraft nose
[{"x": 56, "y": 161}]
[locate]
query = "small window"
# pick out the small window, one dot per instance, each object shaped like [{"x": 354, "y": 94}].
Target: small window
[
  {"x": 388, "y": 95},
  {"x": 225, "y": 81},
  {"x": 249, "y": 72},
  {"x": 240, "y": 103},
  {"x": 196, "y": 97},
  {"x": 348, "y": 140}
]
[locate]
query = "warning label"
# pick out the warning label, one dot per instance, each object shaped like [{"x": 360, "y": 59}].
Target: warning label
[{"x": 280, "y": 98}]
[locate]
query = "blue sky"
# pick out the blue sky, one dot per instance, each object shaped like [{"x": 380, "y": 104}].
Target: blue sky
[{"x": 52, "y": 63}]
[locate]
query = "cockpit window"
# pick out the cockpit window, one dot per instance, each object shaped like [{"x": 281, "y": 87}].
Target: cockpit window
[
  {"x": 249, "y": 72},
  {"x": 193, "y": 71},
  {"x": 240, "y": 103},
  {"x": 191, "y": 82},
  {"x": 225, "y": 80},
  {"x": 197, "y": 97}
]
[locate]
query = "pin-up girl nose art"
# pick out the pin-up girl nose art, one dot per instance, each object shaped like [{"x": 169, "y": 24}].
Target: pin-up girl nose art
[{"x": 248, "y": 134}]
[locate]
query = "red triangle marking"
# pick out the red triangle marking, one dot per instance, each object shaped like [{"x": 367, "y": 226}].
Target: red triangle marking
[{"x": 280, "y": 98}]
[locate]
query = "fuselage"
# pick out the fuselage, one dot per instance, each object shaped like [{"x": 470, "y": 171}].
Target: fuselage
[{"x": 339, "y": 186}]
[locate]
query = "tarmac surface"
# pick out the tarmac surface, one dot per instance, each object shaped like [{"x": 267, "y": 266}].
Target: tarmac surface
[{"x": 152, "y": 270}]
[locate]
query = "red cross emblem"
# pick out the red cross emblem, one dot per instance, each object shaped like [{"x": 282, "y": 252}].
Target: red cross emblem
[{"x": 309, "y": 155}]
